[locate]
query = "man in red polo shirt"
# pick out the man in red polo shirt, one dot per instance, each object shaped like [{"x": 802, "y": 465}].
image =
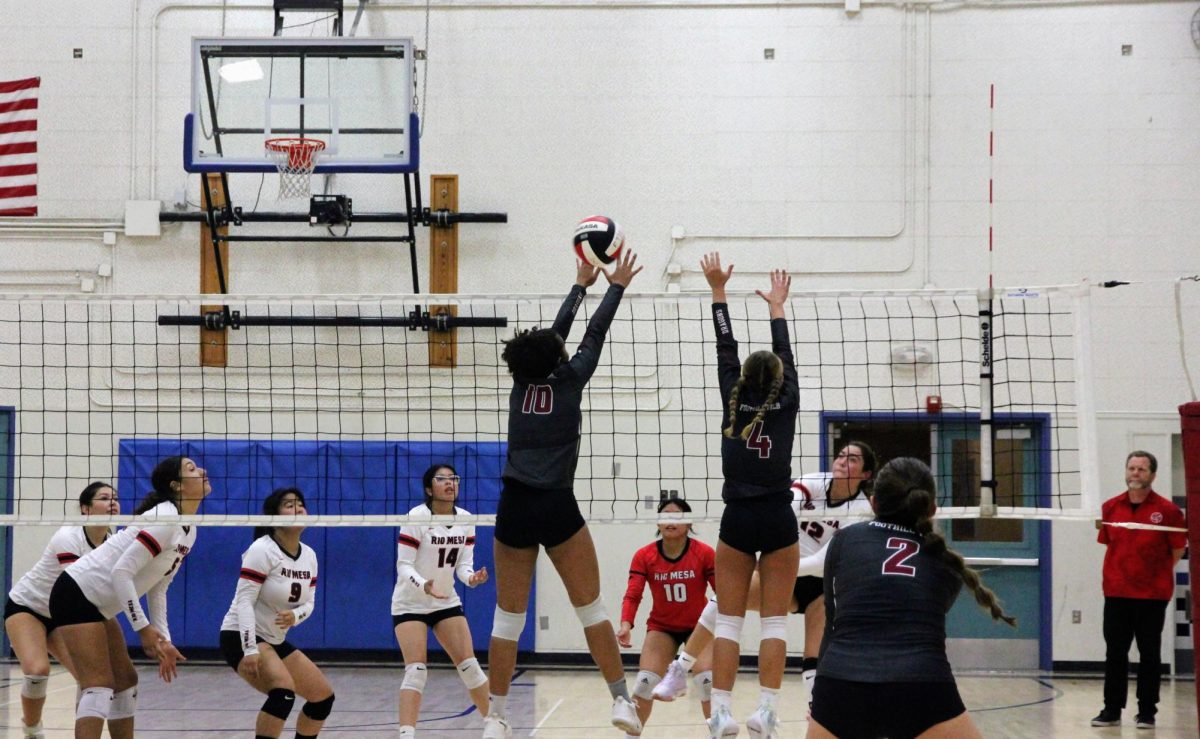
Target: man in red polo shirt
[{"x": 1139, "y": 582}]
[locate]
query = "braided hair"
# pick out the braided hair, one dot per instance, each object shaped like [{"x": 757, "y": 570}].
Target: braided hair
[
  {"x": 904, "y": 495},
  {"x": 762, "y": 371}
]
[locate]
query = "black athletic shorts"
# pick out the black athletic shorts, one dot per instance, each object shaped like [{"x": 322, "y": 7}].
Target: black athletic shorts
[
  {"x": 12, "y": 608},
  {"x": 69, "y": 606},
  {"x": 231, "y": 648},
  {"x": 807, "y": 589},
  {"x": 429, "y": 619},
  {"x": 894, "y": 710},
  {"x": 528, "y": 516},
  {"x": 761, "y": 524},
  {"x": 680, "y": 637}
]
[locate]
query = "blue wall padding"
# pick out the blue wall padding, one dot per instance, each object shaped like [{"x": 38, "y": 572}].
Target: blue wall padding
[{"x": 357, "y": 565}]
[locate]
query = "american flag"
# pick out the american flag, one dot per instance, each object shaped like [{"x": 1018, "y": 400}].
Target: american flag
[{"x": 18, "y": 147}]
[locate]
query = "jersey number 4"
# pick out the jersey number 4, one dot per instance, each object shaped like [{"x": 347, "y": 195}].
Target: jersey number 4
[
  {"x": 759, "y": 441},
  {"x": 906, "y": 550},
  {"x": 539, "y": 399}
]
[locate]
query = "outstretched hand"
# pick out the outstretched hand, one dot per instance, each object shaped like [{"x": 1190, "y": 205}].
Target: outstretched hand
[
  {"x": 623, "y": 273},
  {"x": 585, "y": 274},
  {"x": 781, "y": 283},
  {"x": 711, "y": 265}
]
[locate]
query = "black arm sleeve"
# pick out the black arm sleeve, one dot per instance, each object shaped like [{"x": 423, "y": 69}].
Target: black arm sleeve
[
  {"x": 729, "y": 367},
  {"x": 782, "y": 346},
  {"x": 588, "y": 355},
  {"x": 566, "y": 314}
]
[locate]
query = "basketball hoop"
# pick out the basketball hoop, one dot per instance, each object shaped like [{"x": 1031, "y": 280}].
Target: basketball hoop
[{"x": 295, "y": 158}]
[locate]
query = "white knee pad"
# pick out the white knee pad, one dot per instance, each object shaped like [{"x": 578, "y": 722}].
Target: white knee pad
[
  {"x": 94, "y": 703},
  {"x": 643, "y": 686},
  {"x": 507, "y": 626},
  {"x": 729, "y": 627},
  {"x": 471, "y": 673},
  {"x": 703, "y": 683},
  {"x": 774, "y": 627},
  {"x": 414, "y": 677},
  {"x": 708, "y": 617},
  {"x": 593, "y": 613},
  {"x": 34, "y": 686},
  {"x": 124, "y": 704}
]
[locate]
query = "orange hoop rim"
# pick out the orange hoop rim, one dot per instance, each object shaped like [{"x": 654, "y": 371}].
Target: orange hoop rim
[{"x": 285, "y": 144}]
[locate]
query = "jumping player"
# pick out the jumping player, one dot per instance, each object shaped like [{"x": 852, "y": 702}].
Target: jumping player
[
  {"x": 276, "y": 590},
  {"x": 679, "y": 570},
  {"x": 841, "y": 496},
  {"x": 537, "y": 505},
  {"x": 883, "y": 669},
  {"x": 139, "y": 560},
  {"x": 27, "y": 611},
  {"x": 427, "y": 560},
  {"x": 760, "y": 400}
]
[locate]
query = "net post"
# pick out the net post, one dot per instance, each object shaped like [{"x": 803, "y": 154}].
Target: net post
[
  {"x": 987, "y": 430},
  {"x": 443, "y": 267},
  {"x": 1085, "y": 410},
  {"x": 214, "y": 262},
  {"x": 1190, "y": 426}
]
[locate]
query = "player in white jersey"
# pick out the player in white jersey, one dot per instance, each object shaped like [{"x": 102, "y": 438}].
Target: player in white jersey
[
  {"x": 428, "y": 558},
  {"x": 276, "y": 590},
  {"x": 841, "y": 496},
  {"x": 27, "y": 611},
  {"x": 140, "y": 559}
]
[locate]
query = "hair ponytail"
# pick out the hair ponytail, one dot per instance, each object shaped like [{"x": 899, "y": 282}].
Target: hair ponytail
[{"x": 164, "y": 481}]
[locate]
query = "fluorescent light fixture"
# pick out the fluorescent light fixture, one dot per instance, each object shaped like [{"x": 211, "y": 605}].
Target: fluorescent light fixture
[{"x": 244, "y": 71}]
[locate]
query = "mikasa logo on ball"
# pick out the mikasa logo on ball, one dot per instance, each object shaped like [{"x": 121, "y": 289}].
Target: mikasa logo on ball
[{"x": 598, "y": 240}]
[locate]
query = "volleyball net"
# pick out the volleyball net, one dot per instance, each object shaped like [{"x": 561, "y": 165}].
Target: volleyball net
[{"x": 352, "y": 399}]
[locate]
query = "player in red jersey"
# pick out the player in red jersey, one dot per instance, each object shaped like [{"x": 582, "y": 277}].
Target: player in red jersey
[{"x": 679, "y": 571}]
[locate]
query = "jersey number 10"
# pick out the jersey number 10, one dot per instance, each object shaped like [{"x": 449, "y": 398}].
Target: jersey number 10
[{"x": 676, "y": 592}]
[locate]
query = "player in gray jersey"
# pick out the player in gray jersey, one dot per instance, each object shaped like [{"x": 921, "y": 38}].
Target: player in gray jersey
[
  {"x": 889, "y": 582},
  {"x": 27, "y": 611},
  {"x": 537, "y": 505},
  {"x": 141, "y": 559},
  {"x": 760, "y": 398}
]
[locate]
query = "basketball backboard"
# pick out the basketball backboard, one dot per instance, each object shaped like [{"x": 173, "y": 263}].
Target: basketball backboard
[{"x": 355, "y": 95}]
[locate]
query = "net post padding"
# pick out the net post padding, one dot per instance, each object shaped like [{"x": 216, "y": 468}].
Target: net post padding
[
  {"x": 295, "y": 158},
  {"x": 1190, "y": 426}
]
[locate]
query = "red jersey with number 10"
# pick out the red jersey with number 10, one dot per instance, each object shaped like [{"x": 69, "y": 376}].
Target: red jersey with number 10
[{"x": 678, "y": 588}]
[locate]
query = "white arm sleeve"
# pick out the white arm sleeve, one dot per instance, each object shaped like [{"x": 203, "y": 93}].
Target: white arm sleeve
[
  {"x": 406, "y": 556},
  {"x": 813, "y": 564},
  {"x": 156, "y": 601},
  {"x": 466, "y": 561},
  {"x": 256, "y": 565},
  {"x": 136, "y": 556}
]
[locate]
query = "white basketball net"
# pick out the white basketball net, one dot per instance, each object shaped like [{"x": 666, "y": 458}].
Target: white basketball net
[{"x": 295, "y": 158}]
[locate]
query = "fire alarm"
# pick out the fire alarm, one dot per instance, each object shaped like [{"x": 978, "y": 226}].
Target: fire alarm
[{"x": 933, "y": 403}]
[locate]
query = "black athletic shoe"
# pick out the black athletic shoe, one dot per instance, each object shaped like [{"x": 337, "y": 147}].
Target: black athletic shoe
[
  {"x": 1144, "y": 721},
  {"x": 1107, "y": 718}
]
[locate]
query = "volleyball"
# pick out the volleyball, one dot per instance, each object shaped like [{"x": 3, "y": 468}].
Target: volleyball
[{"x": 598, "y": 240}]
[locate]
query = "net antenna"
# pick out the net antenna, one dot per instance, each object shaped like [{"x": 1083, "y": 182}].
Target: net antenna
[{"x": 295, "y": 158}]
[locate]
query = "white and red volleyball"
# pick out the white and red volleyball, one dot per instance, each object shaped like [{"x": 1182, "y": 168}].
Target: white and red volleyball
[{"x": 598, "y": 240}]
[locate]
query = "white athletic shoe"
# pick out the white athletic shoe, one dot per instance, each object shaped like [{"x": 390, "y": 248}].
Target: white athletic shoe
[
  {"x": 496, "y": 726},
  {"x": 624, "y": 716},
  {"x": 722, "y": 725},
  {"x": 761, "y": 724},
  {"x": 674, "y": 685}
]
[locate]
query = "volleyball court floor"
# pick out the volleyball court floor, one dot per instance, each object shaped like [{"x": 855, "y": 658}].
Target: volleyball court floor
[{"x": 209, "y": 701}]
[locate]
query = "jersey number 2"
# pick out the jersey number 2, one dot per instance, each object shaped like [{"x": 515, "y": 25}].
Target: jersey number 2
[
  {"x": 895, "y": 564},
  {"x": 759, "y": 441}
]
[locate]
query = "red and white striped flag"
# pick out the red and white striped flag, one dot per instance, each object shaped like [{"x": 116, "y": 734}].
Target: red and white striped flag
[{"x": 18, "y": 147}]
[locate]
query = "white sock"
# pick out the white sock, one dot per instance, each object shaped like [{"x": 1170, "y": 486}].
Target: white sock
[
  {"x": 768, "y": 697},
  {"x": 721, "y": 699},
  {"x": 808, "y": 676},
  {"x": 687, "y": 660},
  {"x": 407, "y": 731},
  {"x": 496, "y": 704}
]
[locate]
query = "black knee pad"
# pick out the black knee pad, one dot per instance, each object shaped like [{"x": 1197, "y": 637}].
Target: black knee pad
[
  {"x": 318, "y": 710},
  {"x": 279, "y": 703}
]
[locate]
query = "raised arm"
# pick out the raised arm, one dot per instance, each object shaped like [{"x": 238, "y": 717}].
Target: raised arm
[
  {"x": 588, "y": 355},
  {"x": 776, "y": 297},
  {"x": 729, "y": 367},
  {"x": 585, "y": 277}
]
